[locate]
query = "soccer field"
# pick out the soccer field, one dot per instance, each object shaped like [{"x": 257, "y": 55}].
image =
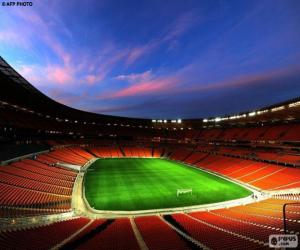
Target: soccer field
[{"x": 128, "y": 184}]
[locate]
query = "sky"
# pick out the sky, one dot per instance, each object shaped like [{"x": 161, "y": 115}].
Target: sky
[{"x": 157, "y": 59}]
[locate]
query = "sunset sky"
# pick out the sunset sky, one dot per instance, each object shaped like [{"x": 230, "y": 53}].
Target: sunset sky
[{"x": 157, "y": 58}]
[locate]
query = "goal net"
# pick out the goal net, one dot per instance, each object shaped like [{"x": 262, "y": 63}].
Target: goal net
[{"x": 184, "y": 191}]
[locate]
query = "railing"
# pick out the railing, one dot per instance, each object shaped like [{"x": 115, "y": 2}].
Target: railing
[
  {"x": 23, "y": 156},
  {"x": 32, "y": 221}
]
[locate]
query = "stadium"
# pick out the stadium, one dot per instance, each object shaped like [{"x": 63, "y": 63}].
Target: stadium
[{"x": 74, "y": 179}]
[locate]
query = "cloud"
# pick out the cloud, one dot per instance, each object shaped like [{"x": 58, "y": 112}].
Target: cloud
[
  {"x": 140, "y": 51},
  {"x": 60, "y": 75},
  {"x": 108, "y": 62},
  {"x": 37, "y": 27},
  {"x": 157, "y": 85},
  {"x": 71, "y": 67},
  {"x": 135, "y": 77},
  {"x": 91, "y": 79},
  {"x": 181, "y": 25},
  {"x": 12, "y": 37},
  {"x": 176, "y": 29},
  {"x": 31, "y": 73},
  {"x": 47, "y": 76},
  {"x": 214, "y": 99},
  {"x": 185, "y": 82},
  {"x": 222, "y": 56},
  {"x": 80, "y": 67}
]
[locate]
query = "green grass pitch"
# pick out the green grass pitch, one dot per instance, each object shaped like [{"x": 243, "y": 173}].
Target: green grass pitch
[{"x": 128, "y": 184}]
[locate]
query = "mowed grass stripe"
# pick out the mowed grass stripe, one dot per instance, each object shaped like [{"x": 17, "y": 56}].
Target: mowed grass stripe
[{"x": 128, "y": 184}]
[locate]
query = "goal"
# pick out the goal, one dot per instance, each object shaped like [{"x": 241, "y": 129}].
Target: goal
[{"x": 184, "y": 191}]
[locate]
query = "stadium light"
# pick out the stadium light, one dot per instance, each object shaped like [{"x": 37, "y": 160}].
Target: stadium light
[
  {"x": 277, "y": 108},
  {"x": 294, "y": 104},
  {"x": 262, "y": 111},
  {"x": 179, "y": 121}
]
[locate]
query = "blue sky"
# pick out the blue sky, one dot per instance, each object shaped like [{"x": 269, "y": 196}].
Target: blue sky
[{"x": 157, "y": 59}]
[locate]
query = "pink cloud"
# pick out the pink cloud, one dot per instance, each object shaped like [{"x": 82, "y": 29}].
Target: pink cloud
[
  {"x": 30, "y": 73},
  {"x": 91, "y": 79},
  {"x": 173, "y": 83},
  {"x": 68, "y": 70},
  {"x": 138, "y": 52},
  {"x": 96, "y": 67},
  {"x": 60, "y": 75},
  {"x": 145, "y": 88},
  {"x": 49, "y": 75}
]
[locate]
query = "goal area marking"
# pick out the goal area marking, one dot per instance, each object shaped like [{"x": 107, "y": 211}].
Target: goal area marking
[{"x": 184, "y": 191}]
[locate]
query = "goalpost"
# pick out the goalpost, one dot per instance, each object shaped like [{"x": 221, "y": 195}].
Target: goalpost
[{"x": 184, "y": 191}]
